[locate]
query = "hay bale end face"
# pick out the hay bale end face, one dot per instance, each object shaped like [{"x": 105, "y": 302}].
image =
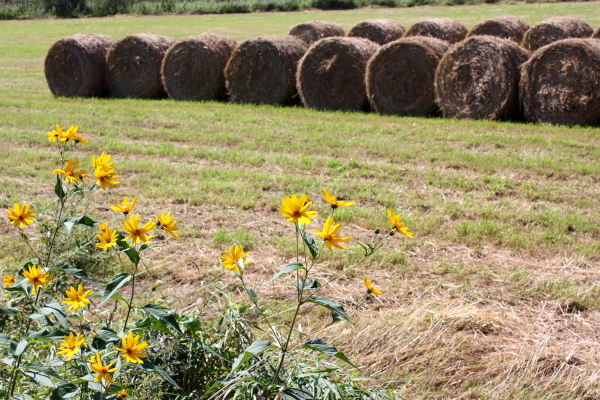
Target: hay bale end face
[
  {"x": 380, "y": 31},
  {"x": 76, "y": 66},
  {"x": 450, "y": 30},
  {"x": 553, "y": 29},
  {"x": 560, "y": 84},
  {"x": 193, "y": 68},
  {"x": 331, "y": 75},
  {"x": 505, "y": 27},
  {"x": 400, "y": 76},
  {"x": 313, "y": 31},
  {"x": 134, "y": 66},
  {"x": 479, "y": 79},
  {"x": 263, "y": 70}
]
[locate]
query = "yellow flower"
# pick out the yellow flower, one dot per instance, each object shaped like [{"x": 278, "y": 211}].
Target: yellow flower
[
  {"x": 231, "y": 260},
  {"x": 70, "y": 346},
  {"x": 137, "y": 234},
  {"x": 125, "y": 207},
  {"x": 330, "y": 236},
  {"x": 102, "y": 161},
  {"x": 9, "y": 280},
  {"x": 122, "y": 394},
  {"x": 37, "y": 277},
  {"x": 131, "y": 350},
  {"x": 370, "y": 288},
  {"x": 20, "y": 215},
  {"x": 76, "y": 298},
  {"x": 102, "y": 371},
  {"x": 55, "y": 134},
  {"x": 397, "y": 225},
  {"x": 106, "y": 177},
  {"x": 336, "y": 203},
  {"x": 295, "y": 209},
  {"x": 166, "y": 223},
  {"x": 70, "y": 173},
  {"x": 71, "y": 134},
  {"x": 107, "y": 237}
]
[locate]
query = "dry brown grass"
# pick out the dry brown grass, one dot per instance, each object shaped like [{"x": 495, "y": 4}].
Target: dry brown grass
[{"x": 453, "y": 322}]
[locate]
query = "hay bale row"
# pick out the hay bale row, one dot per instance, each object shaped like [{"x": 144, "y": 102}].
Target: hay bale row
[
  {"x": 554, "y": 29},
  {"x": 313, "y": 31},
  {"x": 380, "y": 31}
]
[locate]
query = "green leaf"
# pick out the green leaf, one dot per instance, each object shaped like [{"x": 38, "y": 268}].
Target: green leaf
[
  {"x": 103, "y": 337},
  {"x": 288, "y": 268},
  {"x": 148, "y": 366},
  {"x": 319, "y": 345},
  {"x": 145, "y": 247},
  {"x": 42, "y": 375},
  {"x": 58, "y": 312},
  {"x": 295, "y": 394},
  {"x": 251, "y": 292},
  {"x": 58, "y": 334},
  {"x": 126, "y": 248},
  {"x": 20, "y": 348},
  {"x": 308, "y": 241},
  {"x": 164, "y": 315},
  {"x": 4, "y": 338},
  {"x": 79, "y": 273},
  {"x": 330, "y": 305},
  {"x": 8, "y": 311},
  {"x": 309, "y": 284},
  {"x": 115, "y": 284},
  {"x": 252, "y": 350},
  {"x": 63, "y": 392},
  {"x": 70, "y": 222},
  {"x": 59, "y": 188}
]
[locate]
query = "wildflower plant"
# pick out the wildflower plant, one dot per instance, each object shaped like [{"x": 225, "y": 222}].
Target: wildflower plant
[
  {"x": 277, "y": 365},
  {"x": 57, "y": 340}
]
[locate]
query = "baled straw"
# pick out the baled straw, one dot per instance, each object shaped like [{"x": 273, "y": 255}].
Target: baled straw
[
  {"x": 331, "y": 75},
  {"x": 560, "y": 84},
  {"x": 380, "y": 31},
  {"x": 505, "y": 27},
  {"x": 193, "y": 68},
  {"x": 450, "y": 30},
  {"x": 479, "y": 79},
  {"x": 76, "y": 66},
  {"x": 134, "y": 66},
  {"x": 312, "y": 31},
  {"x": 263, "y": 70},
  {"x": 553, "y": 29},
  {"x": 400, "y": 76}
]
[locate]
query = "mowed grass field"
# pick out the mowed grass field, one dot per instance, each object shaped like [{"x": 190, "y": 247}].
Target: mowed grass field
[{"x": 497, "y": 295}]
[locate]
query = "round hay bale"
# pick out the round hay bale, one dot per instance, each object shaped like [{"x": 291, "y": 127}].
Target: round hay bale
[
  {"x": 400, "y": 76},
  {"x": 263, "y": 70},
  {"x": 312, "y": 31},
  {"x": 134, "y": 65},
  {"x": 76, "y": 66},
  {"x": 380, "y": 31},
  {"x": 560, "y": 84},
  {"x": 479, "y": 79},
  {"x": 450, "y": 30},
  {"x": 193, "y": 68},
  {"x": 505, "y": 27},
  {"x": 331, "y": 75},
  {"x": 596, "y": 34},
  {"x": 553, "y": 29}
]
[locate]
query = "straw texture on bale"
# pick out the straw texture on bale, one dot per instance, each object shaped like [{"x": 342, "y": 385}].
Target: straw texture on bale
[
  {"x": 76, "y": 66},
  {"x": 596, "y": 34},
  {"x": 505, "y": 27},
  {"x": 134, "y": 66},
  {"x": 479, "y": 79},
  {"x": 553, "y": 29},
  {"x": 312, "y": 31},
  {"x": 400, "y": 76},
  {"x": 263, "y": 70},
  {"x": 331, "y": 75},
  {"x": 450, "y": 30},
  {"x": 560, "y": 84},
  {"x": 193, "y": 68},
  {"x": 380, "y": 31}
]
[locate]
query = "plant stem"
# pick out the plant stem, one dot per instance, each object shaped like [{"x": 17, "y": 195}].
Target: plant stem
[{"x": 131, "y": 298}]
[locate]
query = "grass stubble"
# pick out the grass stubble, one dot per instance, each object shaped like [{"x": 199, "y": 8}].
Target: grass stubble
[{"x": 497, "y": 297}]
